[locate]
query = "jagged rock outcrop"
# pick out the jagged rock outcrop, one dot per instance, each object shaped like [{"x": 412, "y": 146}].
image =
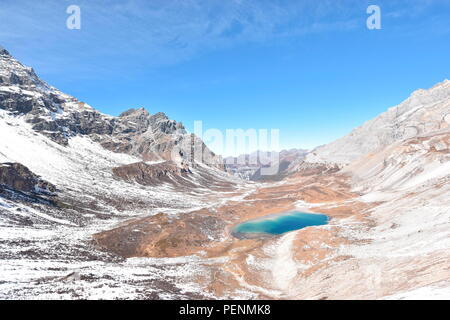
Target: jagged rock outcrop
[
  {"x": 18, "y": 177},
  {"x": 51, "y": 112},
  {"x": 60, "y": 117},
  {"x": 151, "y": 174}
]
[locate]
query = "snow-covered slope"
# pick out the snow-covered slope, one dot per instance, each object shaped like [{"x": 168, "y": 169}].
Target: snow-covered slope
[
  {"x": 405, "y": 165},
  {"x": 41, "y": 242},
  {"x": 423, "y": 112}
]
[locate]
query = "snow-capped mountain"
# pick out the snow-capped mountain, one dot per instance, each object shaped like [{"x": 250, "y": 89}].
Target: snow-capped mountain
[
  {"x": 60, "y": 116},
  {"x": 425, "y": 111}
]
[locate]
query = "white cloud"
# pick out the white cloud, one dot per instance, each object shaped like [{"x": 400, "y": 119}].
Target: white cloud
[{"x": 168, "y": 31}]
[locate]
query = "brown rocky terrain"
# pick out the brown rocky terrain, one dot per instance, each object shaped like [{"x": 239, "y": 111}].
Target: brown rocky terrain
[
  {"x": 151, "y": 174},
  {"x": 208, "y": 232},
  {"x": 19, "y": 178}
]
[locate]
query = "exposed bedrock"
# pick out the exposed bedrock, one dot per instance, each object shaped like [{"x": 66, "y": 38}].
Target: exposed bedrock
[
  {"x": 151, "y": 174},
  {"x": 18, "y": 177}
]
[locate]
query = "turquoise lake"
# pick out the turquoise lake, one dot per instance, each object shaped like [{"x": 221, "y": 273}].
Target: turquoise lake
[{"x": 278, "y": 224}]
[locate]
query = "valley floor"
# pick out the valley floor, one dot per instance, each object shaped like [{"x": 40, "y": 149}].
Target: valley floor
[{"x": 377, "y": 246}]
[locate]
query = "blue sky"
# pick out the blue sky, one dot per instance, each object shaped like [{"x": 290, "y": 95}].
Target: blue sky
[{"x": 309, "y": 68}]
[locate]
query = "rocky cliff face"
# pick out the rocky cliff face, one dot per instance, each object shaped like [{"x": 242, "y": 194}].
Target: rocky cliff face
[
  {"x": 60, "y": 117},
  {"x": 146, "y": 174},
  {"x": 424, "y": 112},
  {"x": 18, "y": 177}
]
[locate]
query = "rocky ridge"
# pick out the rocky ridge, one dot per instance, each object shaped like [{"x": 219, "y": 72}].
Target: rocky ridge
[
  {"x": 424, "y": 112},
  {"x": 60, "y": 117}
]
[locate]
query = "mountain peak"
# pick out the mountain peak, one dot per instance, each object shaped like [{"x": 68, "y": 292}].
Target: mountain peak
[
  {"x": 4, "y": 52},
  {"x": 446, "y": 82},
  {"x": 133, "y": 111},
  {"x": 161, "y": 115}
]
